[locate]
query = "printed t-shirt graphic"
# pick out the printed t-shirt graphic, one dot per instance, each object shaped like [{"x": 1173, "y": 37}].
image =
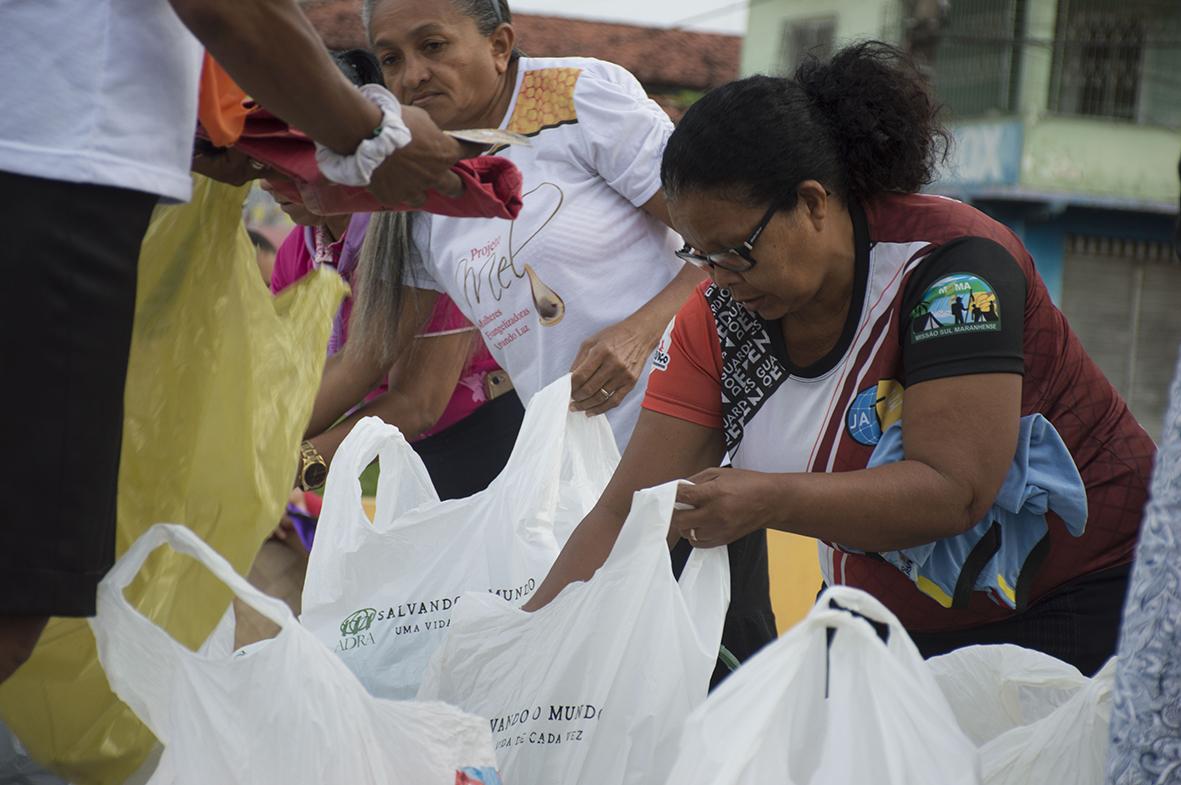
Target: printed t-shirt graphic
[
  {"x": 949, "y": 302},
  {"x": 728, "y": 369},
  {"x": 581, "y": 256}
]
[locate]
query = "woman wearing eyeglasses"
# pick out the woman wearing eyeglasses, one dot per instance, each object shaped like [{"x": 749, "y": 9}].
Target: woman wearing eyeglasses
[{"x": 980, "y": 477}]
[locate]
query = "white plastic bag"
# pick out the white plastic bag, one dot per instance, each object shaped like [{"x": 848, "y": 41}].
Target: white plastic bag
[
  {"x": 287, "y": 713},
  {"x": 829, "y": 703},
  {"x": 381, "y": 595},
  {"x": 593, "y": 688},
  {"x": 1035, "y": 718}
]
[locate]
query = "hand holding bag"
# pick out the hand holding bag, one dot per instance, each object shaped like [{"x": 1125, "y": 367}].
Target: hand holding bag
[{"x": 593, "y": 688}]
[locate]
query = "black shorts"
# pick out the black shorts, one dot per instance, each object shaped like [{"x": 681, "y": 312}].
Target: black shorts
[
  {"x": 463, "y": 459},
  {"x": 68, "y": 263},
  {"x": 1077, "y": 622},
  {"x": 750, "y": 620}
]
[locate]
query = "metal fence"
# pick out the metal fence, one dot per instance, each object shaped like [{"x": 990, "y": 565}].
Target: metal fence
[
  {"x": 1116, "y": 59},
  {"x": 978, "y": 60}
]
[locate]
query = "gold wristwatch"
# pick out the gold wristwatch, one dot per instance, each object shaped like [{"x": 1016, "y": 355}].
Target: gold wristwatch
[{"x": 312, "y": 468}]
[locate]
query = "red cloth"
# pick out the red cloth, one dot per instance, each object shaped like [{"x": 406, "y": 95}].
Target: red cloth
[
  {"x": 492, "y": 185},
  {"x": 313, "y": 502}
]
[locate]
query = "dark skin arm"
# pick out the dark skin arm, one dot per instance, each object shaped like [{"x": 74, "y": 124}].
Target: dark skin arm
[
  {"x": 872, "y": 509},
  {"x": 274, "y": 53},
  {"x": 876, "y": 509},
  {"x": 661, "y": 449}
]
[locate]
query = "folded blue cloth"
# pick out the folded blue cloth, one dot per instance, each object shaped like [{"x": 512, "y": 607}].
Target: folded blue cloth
[{"x": 1043, "y": 477}]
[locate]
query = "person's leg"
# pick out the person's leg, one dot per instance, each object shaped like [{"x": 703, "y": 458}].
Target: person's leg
[
  {"x": 67, "y": 299},
  {"x": 750, "y": 620},
  {"x": 18, "y": 637}
]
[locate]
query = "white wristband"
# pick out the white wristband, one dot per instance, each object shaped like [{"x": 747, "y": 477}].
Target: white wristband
[{"x": 356, "y": 169}]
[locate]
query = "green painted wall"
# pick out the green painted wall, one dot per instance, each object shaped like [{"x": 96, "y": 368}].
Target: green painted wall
[
  {"x": 856, "y": 19},
  {"x": 1101, "y": 158},
  {"x": 1059, "y": 155}
]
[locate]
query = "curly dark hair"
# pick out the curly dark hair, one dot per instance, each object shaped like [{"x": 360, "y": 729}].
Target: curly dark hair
[{"x": 861, "y": 124}]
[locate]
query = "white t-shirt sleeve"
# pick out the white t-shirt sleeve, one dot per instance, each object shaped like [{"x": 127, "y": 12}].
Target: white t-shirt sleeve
[
  {"x": 418, "y": 272},
  {"x": 625, "y": 131}
]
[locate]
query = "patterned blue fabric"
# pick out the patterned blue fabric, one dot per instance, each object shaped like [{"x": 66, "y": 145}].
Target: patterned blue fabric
[
  {"x": 1146, "y": 709},
  {"x": 1042, "y": 478}
]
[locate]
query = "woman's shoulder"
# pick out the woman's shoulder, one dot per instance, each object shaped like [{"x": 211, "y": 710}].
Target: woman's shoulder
[
  {"x": 936, "y": 220},
  {"x": 947, "y": 227}
]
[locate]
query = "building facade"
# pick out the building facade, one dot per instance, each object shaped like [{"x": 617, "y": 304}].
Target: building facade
[{"x": 1065, "y": 116}]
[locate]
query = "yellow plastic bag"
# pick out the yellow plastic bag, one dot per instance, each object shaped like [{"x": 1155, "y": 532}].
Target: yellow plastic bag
[{"x": 220, "y": 385}]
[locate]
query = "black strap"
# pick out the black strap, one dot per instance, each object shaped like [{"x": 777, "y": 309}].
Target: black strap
[
  {"x": 881, "y": 628},
  {"x": 980, "y": 555},
  {"x": 1030, "y": 569}
]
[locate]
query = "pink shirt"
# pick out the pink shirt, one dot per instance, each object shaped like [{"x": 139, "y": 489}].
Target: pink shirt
[{"x": 306, "y": 248}]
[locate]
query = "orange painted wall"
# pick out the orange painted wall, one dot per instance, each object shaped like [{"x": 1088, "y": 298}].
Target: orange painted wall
[{"x": 795, "y": 576}]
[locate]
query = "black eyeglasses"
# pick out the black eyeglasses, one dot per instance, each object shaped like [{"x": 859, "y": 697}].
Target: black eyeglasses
[{"x": 738, "y": 259}]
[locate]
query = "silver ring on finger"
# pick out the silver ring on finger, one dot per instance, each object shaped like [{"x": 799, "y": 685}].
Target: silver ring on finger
[
  {"x": 693, "y": 535},
  {"x": 606, "y": 395}
]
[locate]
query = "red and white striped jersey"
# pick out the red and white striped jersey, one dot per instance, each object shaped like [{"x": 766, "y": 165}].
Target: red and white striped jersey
[{"x": 940, "y": 290}]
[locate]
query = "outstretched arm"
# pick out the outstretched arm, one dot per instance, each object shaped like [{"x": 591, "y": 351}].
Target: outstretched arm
[
  {"x": 661, "y": 449},
  {"x": 274, "y": 53}
]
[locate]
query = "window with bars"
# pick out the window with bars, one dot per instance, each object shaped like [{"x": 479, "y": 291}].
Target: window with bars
[
  {"x": 804, "y": 37},
  {"x": 1099, "y": 52},
  {"x": 1119, "y": 59},
  {"x": 978, "y": 58}
]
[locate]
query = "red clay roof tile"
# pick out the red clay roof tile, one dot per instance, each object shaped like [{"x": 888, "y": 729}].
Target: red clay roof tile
[{"x": 665, "y": 61}]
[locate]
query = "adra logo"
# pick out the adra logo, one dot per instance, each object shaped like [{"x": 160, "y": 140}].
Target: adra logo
[{"x": 358, "y": 622}]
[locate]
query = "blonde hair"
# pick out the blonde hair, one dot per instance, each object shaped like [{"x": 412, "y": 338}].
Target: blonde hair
[{"x": 378, "y": 296}]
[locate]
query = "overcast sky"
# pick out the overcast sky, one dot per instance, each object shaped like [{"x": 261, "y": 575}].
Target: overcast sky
[{"x": 726, "y": 16}]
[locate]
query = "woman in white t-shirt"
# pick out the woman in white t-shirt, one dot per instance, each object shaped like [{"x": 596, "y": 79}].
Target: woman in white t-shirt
[{"x": 586, "y": 279}]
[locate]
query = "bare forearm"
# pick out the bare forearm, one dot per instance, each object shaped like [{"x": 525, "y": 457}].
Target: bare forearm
[
  {"x": 272, "y": 51},
  {"x": 585, "y": 551},
  {"x": 348, "y": 377},
  {"x": 662, "y": 448},
  {"x": 658, "y": 311},
  {"x": 392, "y": 407},
  {"x": 899, "y": 505}
]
